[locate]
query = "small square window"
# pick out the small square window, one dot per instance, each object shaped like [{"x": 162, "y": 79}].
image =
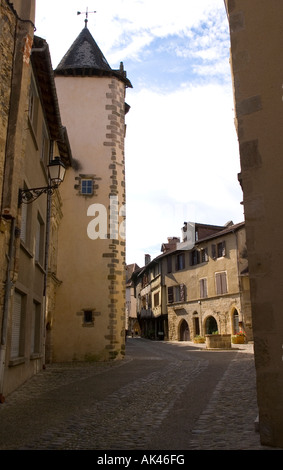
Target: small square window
[
  {"x": 86, "y": 186},
  {"x": 88, "y": 318}
]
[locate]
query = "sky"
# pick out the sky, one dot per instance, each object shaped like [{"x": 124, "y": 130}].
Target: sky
[{"x": 181, "y": 148}]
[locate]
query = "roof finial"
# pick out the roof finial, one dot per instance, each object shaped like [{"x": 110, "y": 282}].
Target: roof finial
[{"x": 86, "y": 15}]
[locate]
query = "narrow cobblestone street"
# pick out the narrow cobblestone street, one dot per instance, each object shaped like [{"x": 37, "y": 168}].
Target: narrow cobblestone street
[{"x": 165, "y": 396}]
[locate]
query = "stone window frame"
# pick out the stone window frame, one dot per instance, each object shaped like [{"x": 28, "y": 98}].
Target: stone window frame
[{"x": 86, "y": 177}]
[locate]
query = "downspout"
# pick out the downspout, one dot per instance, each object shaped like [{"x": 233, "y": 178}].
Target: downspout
[
  {"x": 46, "y": 259},
  {"x": 4, "y": 330}
]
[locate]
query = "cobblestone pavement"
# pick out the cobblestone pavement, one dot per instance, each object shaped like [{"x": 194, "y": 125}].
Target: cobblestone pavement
[{"x": 97, "y": 415}]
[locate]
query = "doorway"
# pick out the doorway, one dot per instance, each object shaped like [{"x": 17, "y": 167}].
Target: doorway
[
  {"x": 211, "y": 326},
  {"x": 184, "y": 331}
]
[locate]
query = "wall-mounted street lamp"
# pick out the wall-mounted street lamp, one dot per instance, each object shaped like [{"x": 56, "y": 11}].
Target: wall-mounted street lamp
[{"x": 56, "y": 173}]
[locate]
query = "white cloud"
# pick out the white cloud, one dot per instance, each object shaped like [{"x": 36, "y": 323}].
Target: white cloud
[
  {"x": 181, "y": 146},
  {"x": 182, "y": 163}
]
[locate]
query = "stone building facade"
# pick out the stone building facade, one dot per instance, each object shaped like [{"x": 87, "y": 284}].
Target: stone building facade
[
  {"x": 208, "y": 287},
  {"x": 197, "y": 289},
  {"x": 257, "y": 71},
  {"x": 32, "y": 135}
]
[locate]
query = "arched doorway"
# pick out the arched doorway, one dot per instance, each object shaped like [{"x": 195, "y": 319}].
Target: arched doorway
[
  {"x": 211, "y": 325},
  {"x": 184, "y": 331},
  {"x": 196, "y": 324},
  {"x": 235, "y": 321}
]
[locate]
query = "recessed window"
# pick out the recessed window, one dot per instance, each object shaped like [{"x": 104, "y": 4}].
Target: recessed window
[
  {"x": 88, "y": 316},
  {"x": 39, "y": 240},
  {"x": 203, "y": 288},
  {"x": 156, "y": 299},
  {"x": 35, "y": 328},
  {"x": 177, "y": 293},
  {"x": 180, "y": 262},
  {"x": 219, "y": 250},
  {"x": 45, "y": 146},
  {"x": 87, "y": 187},
  {"x": 33, "y": 106},
  {"x": 18, "y": 324}
]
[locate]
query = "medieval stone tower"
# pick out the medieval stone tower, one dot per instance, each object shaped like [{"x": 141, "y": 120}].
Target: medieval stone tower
[{"x": 88, "y": 321}]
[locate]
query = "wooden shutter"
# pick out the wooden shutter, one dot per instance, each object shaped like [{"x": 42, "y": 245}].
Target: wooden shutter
[
  {"x": 182, "y": 292},
  {"x": 203, "y": 288},
  {"x": 37, "y": 240},
  {"x": 16, "y": 325},
  {"x": 170, "y": 295},
  {"x": 224, "y": 283},
  {"x": 221, "y": 283},
  {"x": 24, "y": 217},
  {"x": 213, "y": 251}
]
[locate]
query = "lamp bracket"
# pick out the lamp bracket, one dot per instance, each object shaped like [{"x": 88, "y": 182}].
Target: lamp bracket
[{"x": 27, "y": 196}]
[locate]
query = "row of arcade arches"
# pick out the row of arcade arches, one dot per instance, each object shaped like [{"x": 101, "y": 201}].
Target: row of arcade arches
[{"x": 210, "y": 326}]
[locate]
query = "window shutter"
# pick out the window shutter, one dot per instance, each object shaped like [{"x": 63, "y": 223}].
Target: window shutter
[
  {"x": 170, "y": 295},
  {"x": 221, "y": 283},
  {"x": 182, "y": 292},
  {"x": 16, "y": 325},
  {"x": 201, "y": 285},
  {"x": 24, "y": 222},
  {"x": 37, "y": 241},
  {"x": 32, "y": 333},
  {"x": 224, "y": 283},
  {"x": 213, "y": 251},
  {"x": 205, "y": 254},
  {"x": 224, "y": 248},
  {"x": 218, "y": 283}
]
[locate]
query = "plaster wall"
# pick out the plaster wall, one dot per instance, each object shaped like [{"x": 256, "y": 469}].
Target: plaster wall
[{"x": 91, "y": 271}]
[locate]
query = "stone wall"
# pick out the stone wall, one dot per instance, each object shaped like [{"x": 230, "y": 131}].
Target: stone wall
[{"x": 257, "y": 71}]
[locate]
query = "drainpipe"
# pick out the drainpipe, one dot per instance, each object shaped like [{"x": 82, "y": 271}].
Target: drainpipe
[
  {"x": 8, "y": 287},
  {"x": 47, "y": 241}
]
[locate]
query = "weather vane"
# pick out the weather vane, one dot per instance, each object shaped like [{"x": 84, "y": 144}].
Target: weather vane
[{"x": 86, "y": 14}]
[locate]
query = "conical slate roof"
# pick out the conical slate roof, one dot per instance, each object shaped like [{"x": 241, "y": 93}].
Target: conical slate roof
[{"x": 84, "y": 58}]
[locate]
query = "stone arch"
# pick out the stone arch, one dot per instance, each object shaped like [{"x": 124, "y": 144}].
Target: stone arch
[
  {"x": 196, "y": 324},
  {"x": 235, "y": 321},
  {"x": 210, "y": 325},
  {"x": 184, "y": 331}
]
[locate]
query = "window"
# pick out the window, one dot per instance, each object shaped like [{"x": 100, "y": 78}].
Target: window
[
  {"x": 194, "y": 257},
  {"x": 33, "y": 106},
  {"x": 88, "y": 316},
  {"x": 87, "y": 187},
  {"x": 180, "y": 261},
  {"x": 203, "y": 288},
  {"x": 145, "y": 280},
  {"x": 44, "y": 147},
  {"x": 177, "y": 293},
  {"x": 221, "y": 283},
  {"x": 170, "y": 294},
  {"x": 18, "y": 317},
  {"x": 156, "y": 299},
  {"x": 169, "y": 264},
  {"x": 85, "y": 184},
  {"x": 24, "y": 218},
  {"x": 219, "y": 250},
  {"x": 35, "y": 328},
  {"x": 203, "y": 255},
  {"x": 39, "y": 240},
  {"x": 26, "y": 210}
]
